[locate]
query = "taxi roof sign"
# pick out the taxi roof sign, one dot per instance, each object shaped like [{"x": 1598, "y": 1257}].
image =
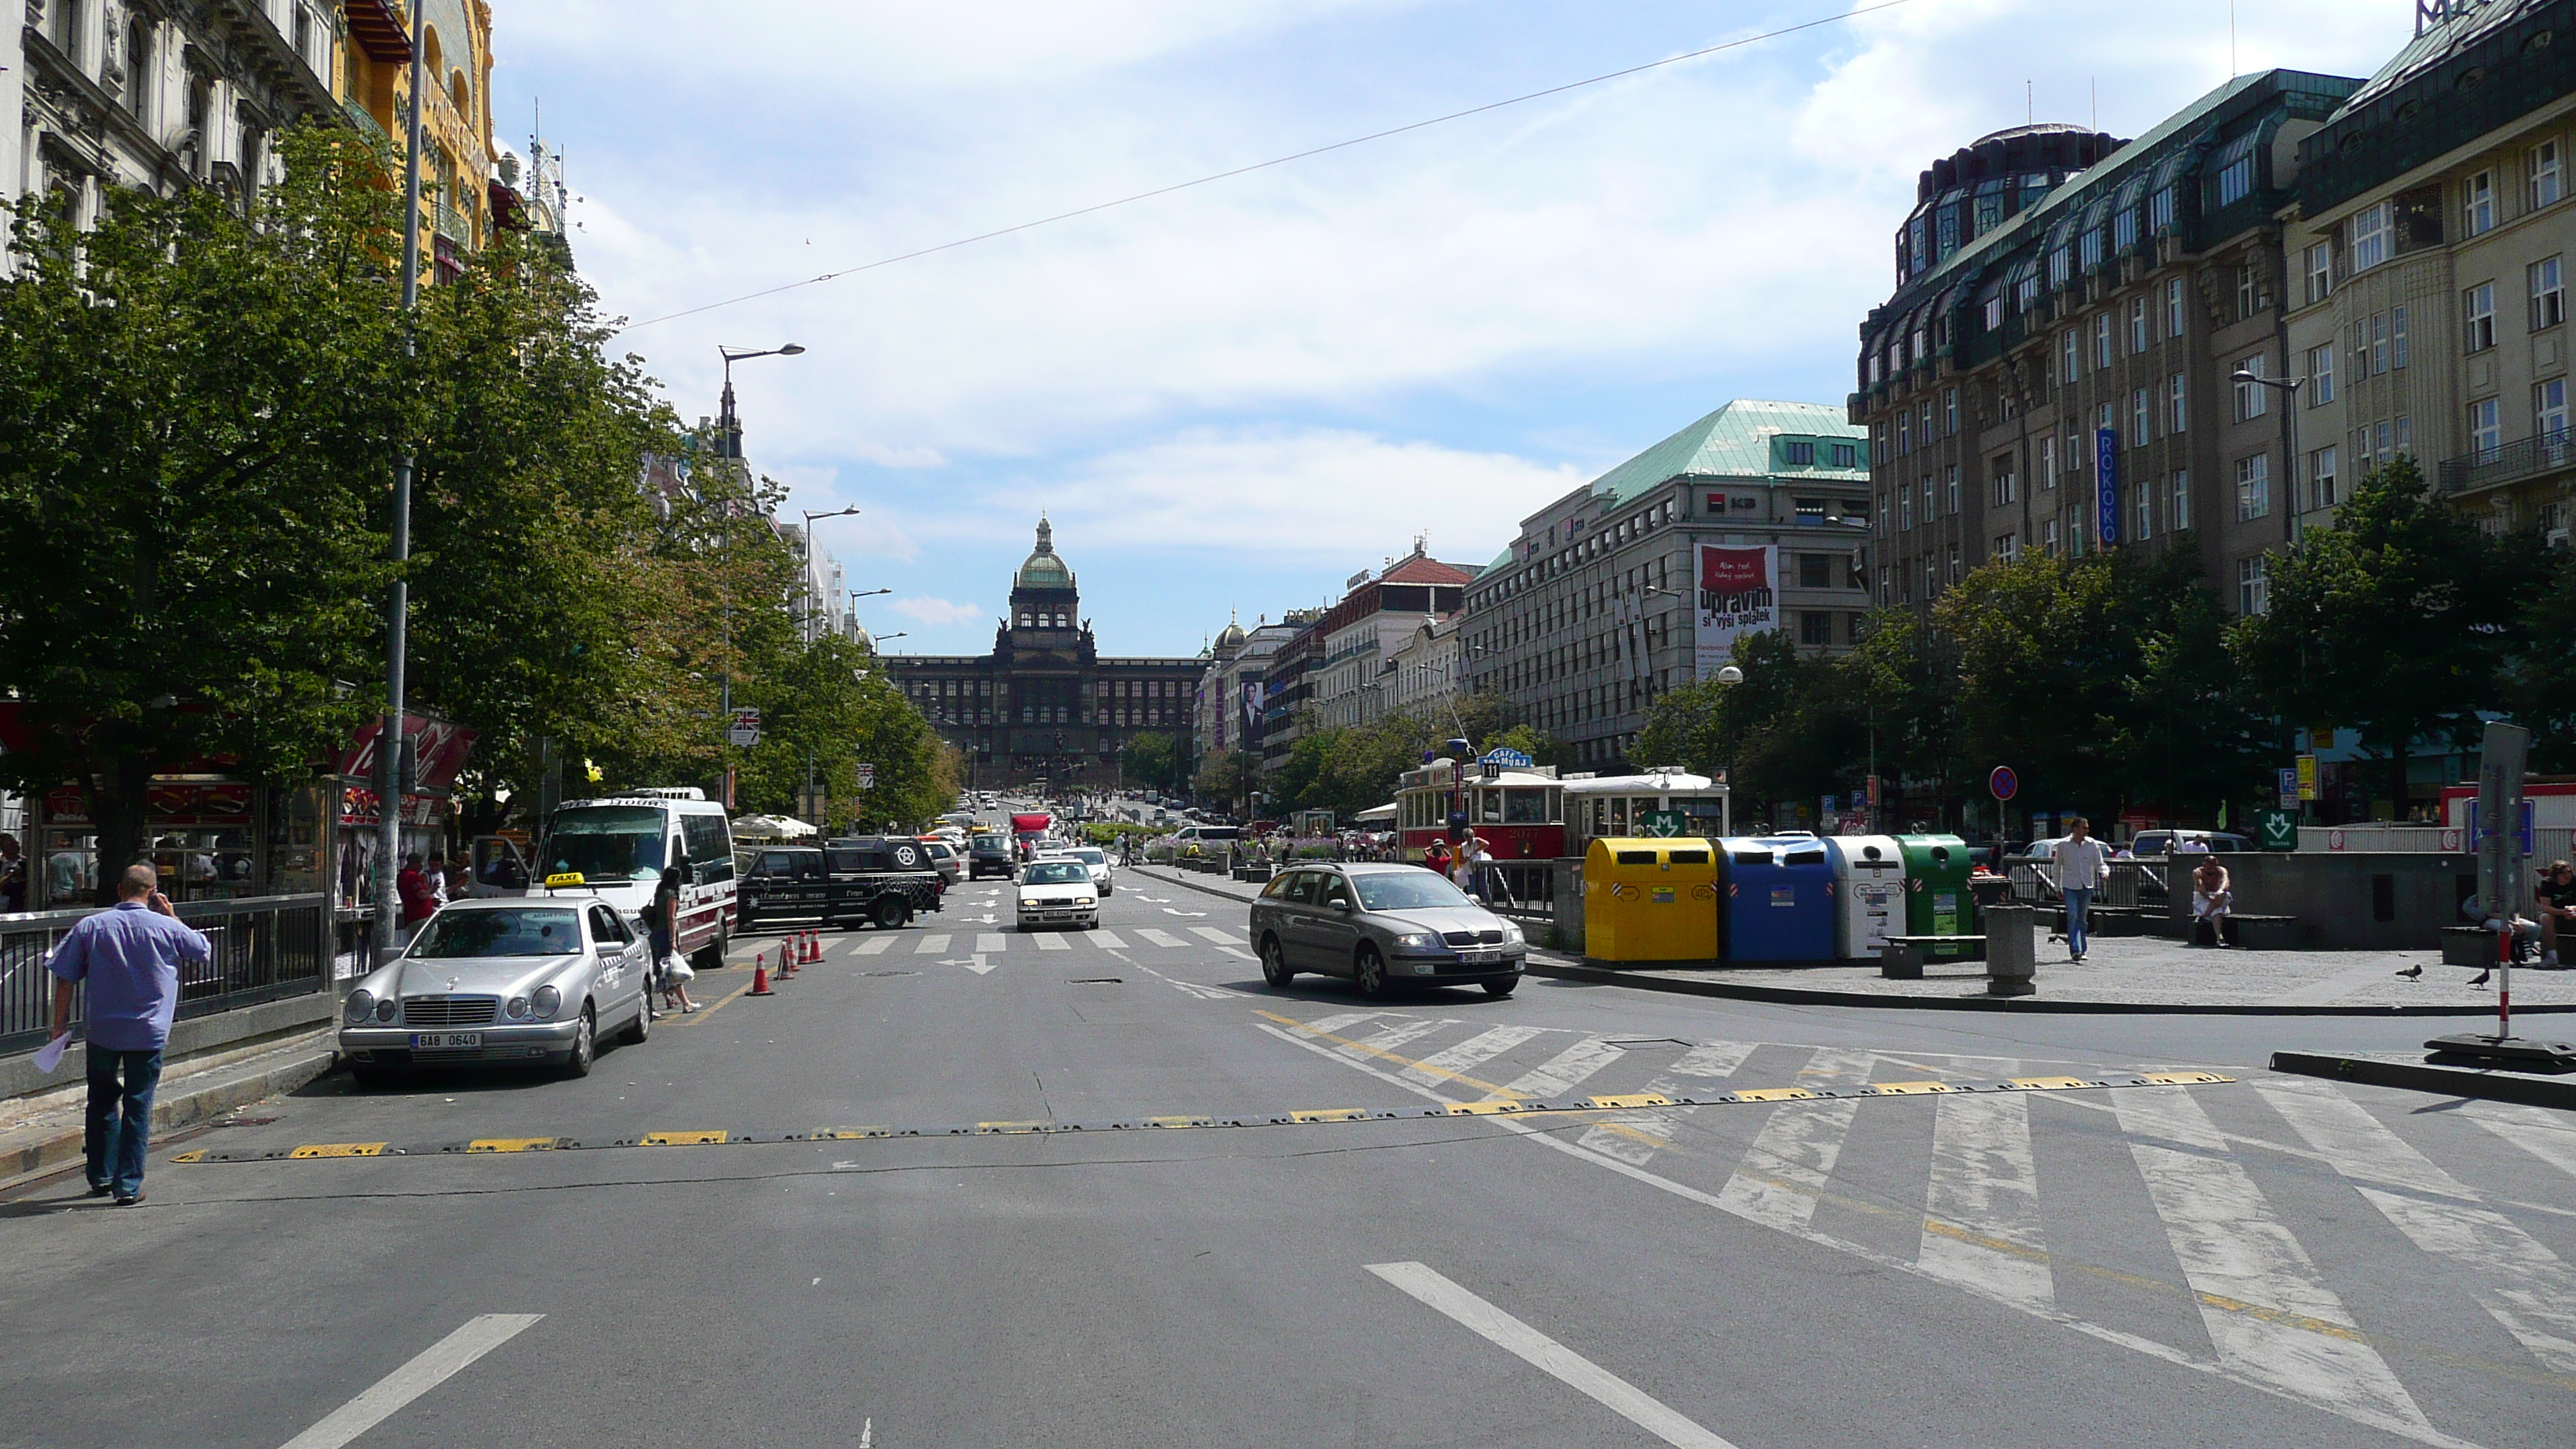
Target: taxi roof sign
[{"x": 564, "y": 880}]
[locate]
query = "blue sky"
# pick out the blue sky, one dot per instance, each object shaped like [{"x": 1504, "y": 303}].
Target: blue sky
[{"x": 1235, "y": 397}]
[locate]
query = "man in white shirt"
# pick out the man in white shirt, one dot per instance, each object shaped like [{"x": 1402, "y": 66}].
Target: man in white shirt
[{"x": 2082, "y": 866}]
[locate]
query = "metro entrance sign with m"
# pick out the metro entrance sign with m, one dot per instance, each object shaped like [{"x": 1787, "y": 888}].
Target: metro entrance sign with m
[{"x": 2277, "y": 830}]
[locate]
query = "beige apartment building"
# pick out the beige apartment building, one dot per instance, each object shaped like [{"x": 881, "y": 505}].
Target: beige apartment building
[{"x": 2430, "y": 241}]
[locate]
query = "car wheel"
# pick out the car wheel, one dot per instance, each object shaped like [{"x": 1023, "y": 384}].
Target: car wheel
[
  {"x": 1501, "y": 988},
  {"x": 1274, "y": 964},
  {"x": 711, "y": 956},
  {"x": 642, "y": 1026},
  {"x": 889, "y": 913},
  {"x": 1368, "y": 970},
  {"x": 585, "y": 1043}
]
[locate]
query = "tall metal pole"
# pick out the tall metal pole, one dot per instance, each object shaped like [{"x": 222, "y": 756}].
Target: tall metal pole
[{"x": 389, "y": 738}]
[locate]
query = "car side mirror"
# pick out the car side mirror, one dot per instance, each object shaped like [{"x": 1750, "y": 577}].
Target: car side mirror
[{"x": 1344, "y": 907}]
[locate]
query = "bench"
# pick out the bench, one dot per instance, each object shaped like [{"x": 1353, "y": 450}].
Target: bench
[
  {"x": 1901, "y": 958},
  {"x": 2254, "y": 933}
]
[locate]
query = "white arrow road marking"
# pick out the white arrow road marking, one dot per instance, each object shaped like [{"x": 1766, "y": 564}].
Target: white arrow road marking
[
  {"x": 1167, "y": 910},
  {"x": 428, "y": 1369},
  {"x": 1551, "y": 1357},
  {"x": 976, "y": 963}
]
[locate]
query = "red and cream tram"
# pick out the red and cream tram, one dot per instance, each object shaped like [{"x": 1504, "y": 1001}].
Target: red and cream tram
[
  {"x": 1518, "y": 813},
  {"x": 1622, "y": 806}
]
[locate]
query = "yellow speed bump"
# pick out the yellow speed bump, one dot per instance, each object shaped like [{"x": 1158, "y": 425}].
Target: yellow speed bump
[
  {"x": 684, "y": 1139},
  {"x": 1909, "y": 1089},
  {"x": 1012, "y": 1126},
  {"x": 1772, "y": 1094},
  {"x": 1329, "y": 1114},
  {"x": 2048, "y": 1084},
  {"x": 1634, "y": 1099},
  {"x": 321, "y": 1149},
  {"x": 2179, "y": 1079},
  {"x": 1180, "y": 1121},
  {"x": 1489, "y": 1107},
  {"x": 510, "y": 1144}
]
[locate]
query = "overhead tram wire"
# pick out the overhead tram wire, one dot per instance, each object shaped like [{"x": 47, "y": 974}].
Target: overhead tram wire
[{"x": 1555, "y": 90}]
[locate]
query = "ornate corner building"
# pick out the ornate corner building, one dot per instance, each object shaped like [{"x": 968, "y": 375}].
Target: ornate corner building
[
  {"x": 1044, "y": 703},
  {"x": 162, "y": 95}
]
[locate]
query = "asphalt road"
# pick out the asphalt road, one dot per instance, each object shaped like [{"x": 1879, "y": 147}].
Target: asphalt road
[{"x": 2269, "y": 1262}]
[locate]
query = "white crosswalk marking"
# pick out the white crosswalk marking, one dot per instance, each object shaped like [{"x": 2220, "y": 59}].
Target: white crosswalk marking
[
  {"x": 1160, "y": 938},
  {"x": 1786, "y": 1168},
  {"x": 1367, "y": 1048},
  {"x": 1050, "y": 941},
  {"x": 874, "y": 946},
  {"x": 1337, "y": 1022},
  {"x": 2549, "y": 1136},
  {"x": 988, "y": 942},
  {"x": 2521, "y": 1284},
  {"x": 2235, "y": 1252},
  {"x": 1981, "y": 1224},
  {"x": 931, "y": 946},
  {"x": 1107, "y": 940},
  {"x": 1565, "y": 1071},
  {"x": 1211, "y": 933},
  {"x": 1713, "y": 1059},
  {"x": 1442, "y": 1068}
]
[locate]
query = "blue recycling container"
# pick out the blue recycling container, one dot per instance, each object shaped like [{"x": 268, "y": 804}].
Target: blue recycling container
[{"x": 1779, "y": 894}]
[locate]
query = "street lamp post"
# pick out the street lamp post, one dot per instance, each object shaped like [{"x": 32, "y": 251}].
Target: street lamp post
[
  {"x": 389, "y": 736},
  {"x": 729, "y": 447},
  {"x": 806, "y": 537},
  {"x": 2289, "y": 390}
]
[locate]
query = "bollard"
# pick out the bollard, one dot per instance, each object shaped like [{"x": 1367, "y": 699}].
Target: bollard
[{"x": 2012, "y": 957}]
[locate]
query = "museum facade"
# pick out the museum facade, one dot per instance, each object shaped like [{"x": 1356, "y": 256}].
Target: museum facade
[{"x": 1045, "y": 704}]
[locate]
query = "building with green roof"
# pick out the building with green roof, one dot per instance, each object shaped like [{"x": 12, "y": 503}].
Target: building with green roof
[{"x": 1594, "y": 609}]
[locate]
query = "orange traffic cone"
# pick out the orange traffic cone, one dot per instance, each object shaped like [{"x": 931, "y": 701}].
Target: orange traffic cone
[
  {"x": 787, "y": 958},
  {"x": 760, "y": 976},
  {"x": 813, "y": 946}
]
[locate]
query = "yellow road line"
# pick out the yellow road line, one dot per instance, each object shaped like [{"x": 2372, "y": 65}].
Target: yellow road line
[{"x": 711, "y": 1008}]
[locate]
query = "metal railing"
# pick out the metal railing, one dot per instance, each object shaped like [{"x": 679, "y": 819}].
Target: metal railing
[
  {"x": 2130, "y": 883},
  {"x": 2548, "y": 844},
  {"x": 265, "y": 948},
  {"x": 2521, "y": 458},
  {"x": 1521, "y": 887}
]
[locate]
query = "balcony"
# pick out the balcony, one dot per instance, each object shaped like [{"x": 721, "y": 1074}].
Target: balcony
[{"x": 2508, "y": 463}]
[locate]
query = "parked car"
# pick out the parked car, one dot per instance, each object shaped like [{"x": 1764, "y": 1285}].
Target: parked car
[
  {"x": 2162, "y": 842},
  {"x": 1382, "y": 925},
  {"x": 1057, "y": 892},
  {"x": 988, "y": 855},
  {"x": 1192, "y": 839},
  {"x": 944, "y": 858},
  {"x": 496, "y": 981}
]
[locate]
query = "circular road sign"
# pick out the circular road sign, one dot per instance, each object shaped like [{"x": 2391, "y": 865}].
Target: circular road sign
[{"x": 2003, "y": 783}]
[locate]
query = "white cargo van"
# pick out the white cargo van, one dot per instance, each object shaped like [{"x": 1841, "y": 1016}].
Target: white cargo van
[{"x": 622, "y": 845}]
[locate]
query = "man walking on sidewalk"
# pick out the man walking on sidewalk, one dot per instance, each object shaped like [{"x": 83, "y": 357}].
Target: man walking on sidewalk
[
  {"x": 130, "y": 957},
  {"x": 2082, "y": 866}
]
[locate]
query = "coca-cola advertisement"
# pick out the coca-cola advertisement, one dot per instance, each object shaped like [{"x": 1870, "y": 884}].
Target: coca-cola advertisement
[{"x": 1738, "y": 595}]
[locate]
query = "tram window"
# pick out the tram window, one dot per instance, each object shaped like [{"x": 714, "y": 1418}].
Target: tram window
[
  {"x": 1690, "y": 857},
  {"x": 1636, "y": 857},
  {"x": 1489, "y": 805},
  {"x": 1525, "y": 807}
]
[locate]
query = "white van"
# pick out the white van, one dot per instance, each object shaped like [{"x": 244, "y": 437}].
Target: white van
[{"x": 621, "y": 845}]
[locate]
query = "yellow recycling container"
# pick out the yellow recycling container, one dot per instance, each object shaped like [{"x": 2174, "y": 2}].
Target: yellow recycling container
[{"x": 1650, "y": 901}]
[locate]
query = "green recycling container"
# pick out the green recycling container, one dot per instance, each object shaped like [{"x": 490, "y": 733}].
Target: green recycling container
[{"x": 1937, "y": 902}]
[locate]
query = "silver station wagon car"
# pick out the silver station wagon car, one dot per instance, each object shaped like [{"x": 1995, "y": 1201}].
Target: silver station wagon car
[
  {"x": 504, "y": 981},
  {"x": 1383, "y": 926}
]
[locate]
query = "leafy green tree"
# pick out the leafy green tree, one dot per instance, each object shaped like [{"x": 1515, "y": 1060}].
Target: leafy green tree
[
  {"x": 2399, "y": 621},
  {"x": 199, "y": 416},
  {"x": 1154, "y": 759},
  {"x": 2542, "y": 690}
]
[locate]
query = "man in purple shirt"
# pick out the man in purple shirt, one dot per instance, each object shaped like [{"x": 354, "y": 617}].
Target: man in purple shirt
[{"x": 130, "y": 957}]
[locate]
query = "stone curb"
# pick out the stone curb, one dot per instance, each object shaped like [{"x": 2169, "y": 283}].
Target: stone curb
[
  {"x": 185, "y": 1103},
  {"x": 2426, "y": 1077},
  {"x": 1810, "y": 996}
]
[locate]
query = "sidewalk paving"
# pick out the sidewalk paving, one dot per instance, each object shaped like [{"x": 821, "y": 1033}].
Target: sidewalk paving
[
  {"x": 2119, "y": 974},
  {"x": 41, "y": 1134}
]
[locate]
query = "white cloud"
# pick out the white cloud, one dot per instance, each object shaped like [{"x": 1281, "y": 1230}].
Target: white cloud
[{"x": 938, "y": 611}]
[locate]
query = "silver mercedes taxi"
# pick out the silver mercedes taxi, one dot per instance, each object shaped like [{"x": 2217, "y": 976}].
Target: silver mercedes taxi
[
  {"x": 502, "y": 981},
  {"x": 1383, "y": 926}
]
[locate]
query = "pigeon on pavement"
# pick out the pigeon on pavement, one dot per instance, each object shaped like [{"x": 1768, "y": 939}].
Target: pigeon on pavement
[{"x": 2412, "y": 972}]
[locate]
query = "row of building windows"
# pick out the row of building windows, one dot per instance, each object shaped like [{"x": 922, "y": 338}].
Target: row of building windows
[{"x": 1104, "y": 688}]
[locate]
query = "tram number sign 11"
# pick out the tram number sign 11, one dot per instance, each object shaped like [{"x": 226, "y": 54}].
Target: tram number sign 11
[
  {"x": 1665, "y": 824},
  {"x": 2003, "y": 784}
]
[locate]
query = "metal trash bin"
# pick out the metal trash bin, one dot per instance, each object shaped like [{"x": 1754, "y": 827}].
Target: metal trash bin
[
  {"x": 1937, "y": 899},
  {"x": 1650, "y": 901},
  {"x": 1869, "y": 893},
  {"x": 1779, "y": 901}
]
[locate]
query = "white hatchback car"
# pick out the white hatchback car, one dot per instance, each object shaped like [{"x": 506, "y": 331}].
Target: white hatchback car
[{"x": 1057, "y": 893}]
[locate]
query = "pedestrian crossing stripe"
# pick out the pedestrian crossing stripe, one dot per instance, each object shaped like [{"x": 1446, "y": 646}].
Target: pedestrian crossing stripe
[{"x": 1301, "y": 1116}]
